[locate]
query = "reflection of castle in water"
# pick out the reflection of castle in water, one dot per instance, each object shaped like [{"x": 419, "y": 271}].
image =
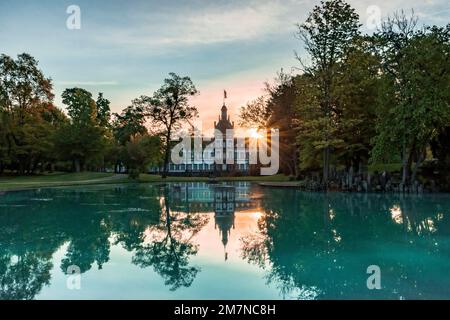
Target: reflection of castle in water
[
  {"x": 200, "y": 196},
  {"x": 223, "y": 199}
]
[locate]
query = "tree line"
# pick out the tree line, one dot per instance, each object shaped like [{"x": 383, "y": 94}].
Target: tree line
[
  {"x": 36, "y": 135},
  {"x": 358, "y": 100},
  {"x": 361, "y": 99}
]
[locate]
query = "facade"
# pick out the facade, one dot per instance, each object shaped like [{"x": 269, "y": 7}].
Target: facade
[{"x": 225, "y": 148}]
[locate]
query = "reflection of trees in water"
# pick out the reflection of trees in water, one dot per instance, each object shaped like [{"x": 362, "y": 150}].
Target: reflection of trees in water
[
  {"x": 170, "y": 246},
  {"x": 88, "y": 220},
  {"x": 25, "y": 247},
  {"x": 321, "y": 244},
  {"x": 88, "y": 245},
  {"x": 22, "y": 277}
]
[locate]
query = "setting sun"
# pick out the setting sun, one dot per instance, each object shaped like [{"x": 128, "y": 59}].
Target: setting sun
[{"x": 254, "y": 133}]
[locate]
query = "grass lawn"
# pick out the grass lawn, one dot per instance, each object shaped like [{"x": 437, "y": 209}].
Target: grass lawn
[
  {"x": 56, "y": 179},
  {"x": 83, "y": 178}
]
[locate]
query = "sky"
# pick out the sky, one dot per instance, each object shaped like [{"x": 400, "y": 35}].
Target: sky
[{"x": 126, "y": 48}]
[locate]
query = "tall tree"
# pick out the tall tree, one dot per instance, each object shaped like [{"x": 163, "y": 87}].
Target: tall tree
[
  {"x": 83, "y": 140},
  {"x": 103, "y": 110},
  {"x": 327, "y": 33},
  {"x": 283, "y": 115},
  {"x": 23, "y": 88},
  {"x": 169, "y": 108},
  {"x": 415, "y": 105},
  {"x": 356, "y": 91}
]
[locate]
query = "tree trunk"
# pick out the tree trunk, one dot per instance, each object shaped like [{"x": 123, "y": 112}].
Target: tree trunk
[
  {"x": 420, "y": 158},
  {"x": 77, "y": 166},
  {"x": 21, "y": 168},
  {"x": 326, "y": 165},
  {"x": 405, "y": 171},
  {"x": 166, "y": 156}
]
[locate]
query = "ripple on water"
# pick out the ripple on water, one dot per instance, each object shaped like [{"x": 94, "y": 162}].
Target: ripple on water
[
  {"x": 129, "y": 210},
  {"x": 12, "y": 205}
]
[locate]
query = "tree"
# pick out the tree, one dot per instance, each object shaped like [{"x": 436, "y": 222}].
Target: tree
[
  {"x": 255, "y": 114},
  {"x": 142, "y": 151},
  {"x": 23, "y": 89},
  {"x": 126, "y": 127},
  {"x": 169, "y": 107},
  {"x": 129, "y": 123},
  {"x": 327, "y": 33},
  {"x": 440, "y": 147},
  {"x": 414, "y": 106},
  {"x": 277, "y": 110},
  {"x": 283, "y": 115},
  {"x": 356, "y": 91},
  {"x": 313, "y": 135},
  {"x": 103, "y": 111},
  {"x": 83, "y": 140},
  {"x": 23, "y": 85}
]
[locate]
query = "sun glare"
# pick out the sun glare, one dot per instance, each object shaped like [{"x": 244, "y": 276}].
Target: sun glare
[{"x": 254, "y": 133}]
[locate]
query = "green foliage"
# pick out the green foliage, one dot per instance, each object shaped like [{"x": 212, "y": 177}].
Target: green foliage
[
  {"x": 130, "y": 123},
  {"x": 103, "y": 111},
  {"x": 255, "y": 114},
  {"x": 370, "y": 98},
  {"x": 83, "y": 140},
  {"x": 141, "y": 152},
  {"x": 169, "y": 107},
  {"x": 276, "y": 110},
  {"x": 327, "y": 34},
  {"x": 414, "y": 106},
  {"x": 356, "y": 91},
  {"x": 27, "y": 115}
]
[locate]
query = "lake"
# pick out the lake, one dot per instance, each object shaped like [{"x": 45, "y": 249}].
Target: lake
[{"x": 230, "y": 241}]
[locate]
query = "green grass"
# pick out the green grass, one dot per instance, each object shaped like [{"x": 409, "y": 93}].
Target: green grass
[
  {"x": 55, "y": 179},
  {"x": 84, "y": 178},
  {"x": 57, "y": 176}
]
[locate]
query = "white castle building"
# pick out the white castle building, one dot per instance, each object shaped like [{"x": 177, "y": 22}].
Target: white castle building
[{"x": 226, "y": 148}]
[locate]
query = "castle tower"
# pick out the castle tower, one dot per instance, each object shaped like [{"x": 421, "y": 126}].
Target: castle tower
[
  {"x": 224, "y": 201},
  {"x": 224, "y": 121}
]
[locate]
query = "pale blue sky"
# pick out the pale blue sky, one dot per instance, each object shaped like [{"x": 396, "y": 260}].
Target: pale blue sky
[{"x": 126, "y": 48}]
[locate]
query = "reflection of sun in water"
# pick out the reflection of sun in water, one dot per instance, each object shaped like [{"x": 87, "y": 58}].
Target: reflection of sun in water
[
  {"x": 396, "y": 214},
  {"x": 256, "y": 215}
]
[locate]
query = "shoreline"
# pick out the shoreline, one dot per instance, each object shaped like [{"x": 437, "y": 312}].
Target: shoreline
[
  {"x": 296, "y": 185},
  {"x": 124, "y": 179}
]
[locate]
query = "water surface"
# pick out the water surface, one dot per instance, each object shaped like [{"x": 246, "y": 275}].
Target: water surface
[{"x": 240, "y": 241}]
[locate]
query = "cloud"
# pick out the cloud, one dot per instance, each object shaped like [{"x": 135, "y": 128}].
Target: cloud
[
  {"x": 87, "y": 83},
  {"x": 205, "y": 25}
]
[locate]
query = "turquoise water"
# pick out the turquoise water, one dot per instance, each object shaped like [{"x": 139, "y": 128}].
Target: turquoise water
[{"x": 200, "y": 241}]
